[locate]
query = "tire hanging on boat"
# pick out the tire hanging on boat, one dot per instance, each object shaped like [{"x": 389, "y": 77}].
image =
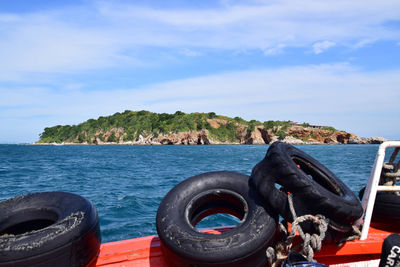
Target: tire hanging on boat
[
  {"x": 48, "y": 229},
  {"x": 314, "y": 188},
  {"x": 206, "y": 194},
  {"x": 386, "y": 208},
  {"x": 390, "y": 251}
]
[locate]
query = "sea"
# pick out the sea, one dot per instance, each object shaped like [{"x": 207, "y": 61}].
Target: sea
[{"x": 127, "y": 183}]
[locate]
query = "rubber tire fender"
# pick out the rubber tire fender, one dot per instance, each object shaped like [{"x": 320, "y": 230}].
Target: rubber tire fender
[
  {"x": 386, "y": 208},
  {"x": 322, "y": 193},
  {"x": 48, "y": 229},
  {"x": 390, "y": 255},
  {"x": 206, "y": 194}
]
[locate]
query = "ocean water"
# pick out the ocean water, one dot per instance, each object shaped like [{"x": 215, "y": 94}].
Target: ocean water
[{"x": 127, "y": 183}]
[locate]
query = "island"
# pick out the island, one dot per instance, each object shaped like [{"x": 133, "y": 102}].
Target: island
[{"x": 149, "y": 128}]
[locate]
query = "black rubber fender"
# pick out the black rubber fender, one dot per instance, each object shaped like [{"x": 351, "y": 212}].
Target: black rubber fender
[
  {"x": 206, "y": 194},
  {"x": 386, "y": 208},
  {"x": 390, "y": 251},
  {"x": 48, "y": 229},
  {"x": 315, "y": 189}
]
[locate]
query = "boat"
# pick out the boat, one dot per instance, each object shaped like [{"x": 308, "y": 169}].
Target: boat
[
  {"x": 365, "y": 251},
  {"x": 146, "y": 251},
  {"x": 364, "y": 248}
]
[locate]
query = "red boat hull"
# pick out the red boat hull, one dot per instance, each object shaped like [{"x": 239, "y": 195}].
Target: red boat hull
[{"x": 146, "y": 251}]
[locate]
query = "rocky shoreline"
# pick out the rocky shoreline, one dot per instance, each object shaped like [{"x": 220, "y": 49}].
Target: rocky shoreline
[
  {"x": 259, "y": 136},
  {"x": 149, "y": 128}
]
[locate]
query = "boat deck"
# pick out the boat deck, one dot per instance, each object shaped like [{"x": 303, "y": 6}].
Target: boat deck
[{"x": 146, "y": 251}]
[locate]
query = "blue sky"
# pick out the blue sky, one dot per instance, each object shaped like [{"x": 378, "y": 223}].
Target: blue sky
[{"x": 333, "y": 63}]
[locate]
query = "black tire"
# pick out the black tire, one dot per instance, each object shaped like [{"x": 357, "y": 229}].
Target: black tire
[
  {"x": 322, "y": 193},
  {"x": 206, "y": 194},
  {"x": 390, "y": 251},
  {"x": 48, "y": 229},
  {"x": 386, "y": 208}
]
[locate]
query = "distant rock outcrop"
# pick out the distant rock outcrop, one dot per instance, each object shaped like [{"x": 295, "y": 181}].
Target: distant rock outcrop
[{"x": 369, "y": 140}]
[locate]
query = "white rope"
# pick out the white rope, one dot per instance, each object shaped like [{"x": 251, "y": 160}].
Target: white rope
[
  {"x": 311, "y": 242},
  {"x": 356, "y": 234}
]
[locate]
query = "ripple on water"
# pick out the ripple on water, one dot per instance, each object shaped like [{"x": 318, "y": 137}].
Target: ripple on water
[{"x": 127, "y": 183}]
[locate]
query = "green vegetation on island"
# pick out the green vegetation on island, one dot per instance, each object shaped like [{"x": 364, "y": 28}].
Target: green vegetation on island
[{"x": 131, "y": 126}]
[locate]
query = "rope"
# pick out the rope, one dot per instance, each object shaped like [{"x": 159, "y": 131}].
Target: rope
[
  {"x": 291, "y": 206},
  {"x": 311, "y": 242},
  {"x": 355, "y": 234},
  {"x": 393, "y": 157},
  {"x": 391, "y": 171},
  {"x": 392, "y": 175}
]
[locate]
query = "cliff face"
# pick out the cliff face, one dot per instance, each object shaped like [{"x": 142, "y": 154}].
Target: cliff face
[
  {"x": 256, "y": 136},
  {"x": 182, "y": 138},
  {"x": 322, "y": 136}
]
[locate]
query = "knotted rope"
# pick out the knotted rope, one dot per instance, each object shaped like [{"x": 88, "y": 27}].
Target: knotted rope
[
  {"x": 391, "y": 170},
  {"x": 311, "y": 242},
  {"x": 353, "y": 235}
]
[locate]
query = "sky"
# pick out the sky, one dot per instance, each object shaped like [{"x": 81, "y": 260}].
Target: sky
[{"x": 333, "y": 63}]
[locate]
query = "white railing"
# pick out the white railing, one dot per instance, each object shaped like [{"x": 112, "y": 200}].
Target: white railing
[{"x": 373, "y": 187}]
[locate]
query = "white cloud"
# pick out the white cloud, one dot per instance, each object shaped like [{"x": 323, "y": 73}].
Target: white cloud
[
  {"x": 108, "y": 35},
  {"x": 322, "y": 46},
  {"x": 337, "y": 95},
  {"x": 190, "y": 53},
  {"x": 274, "y": 50},
  {"x": 48, "y": 45},
  {"x": 7, "y": 18},
  {"x": 363, "y": 43},
  {"x": 39, "y": 48}
]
